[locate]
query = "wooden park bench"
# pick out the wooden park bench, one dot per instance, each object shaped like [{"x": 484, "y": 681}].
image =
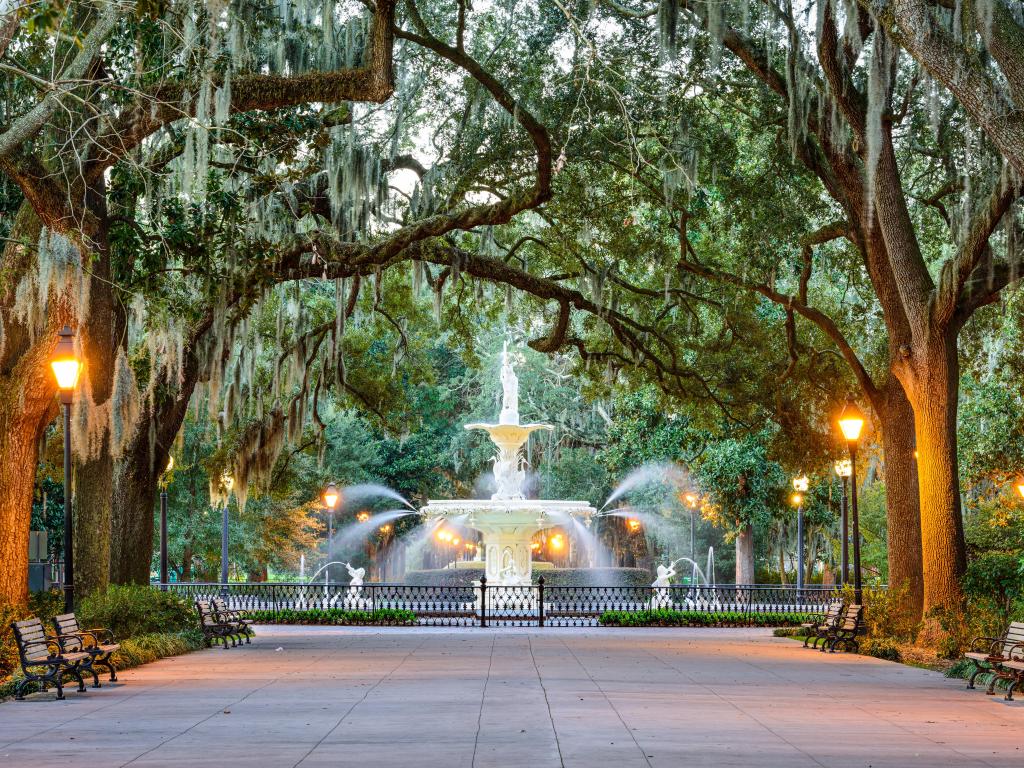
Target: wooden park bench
[
  {"x": 818, "y": 627},
  {"x": 98, "y": 642},
  {"x": 999, "y": 656},
  {"x": 237, "y": 619},
  {"x": 212, "y": 627},
  {"x": 46, "y": 660},
  {"x": 846, "y": 630}
]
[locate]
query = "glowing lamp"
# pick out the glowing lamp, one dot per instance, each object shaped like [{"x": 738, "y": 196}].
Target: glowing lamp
[
  {"x": 363, "y": 516},
  {"x": 227, "y": 481},
  {"x": 691, "y": 500},
  {"x": 456, "y": 541},
  {"x": 801, "y": 483},
  {"x": 1020, "y": 485},
  {"x": 386, "y": 528},
  {"x": 556, "y": 541},
  {"x": 170, "y": 465},
  {"x": 851, "y": 421},
  {"x": 797, "y": 499},
  {"x": 844, "y": 468},
  {"x": 331, "y": 495},
  {"x": 65, "y": 364},
  {"x": 633, "y": 525}
]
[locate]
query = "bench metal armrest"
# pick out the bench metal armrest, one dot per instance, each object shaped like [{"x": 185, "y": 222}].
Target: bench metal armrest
[
  {"x": 1015, "y": 652},
  {"x": 64, "y": 640},
  {"x": 108, "y": 636},
  {"x": 987, "y": 644}
]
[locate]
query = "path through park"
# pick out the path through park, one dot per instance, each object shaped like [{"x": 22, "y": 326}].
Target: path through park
[{"x": 321, "y": 696}]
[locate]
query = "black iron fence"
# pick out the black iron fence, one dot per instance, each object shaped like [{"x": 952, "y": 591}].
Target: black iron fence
[{"x": 535, "y": 605}]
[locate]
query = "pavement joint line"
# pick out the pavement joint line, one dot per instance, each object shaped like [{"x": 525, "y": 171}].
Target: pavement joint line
[
  {"x": 363, "y": 698},
  {"x": 547, "y": 702},
  {"x": 483, "y": 697},
  {"x": 220, "y": 710},
  {"x": 736, "y": 706},
  {"x": 836, "y": 699},
  {"x": 35, "y": 734},
  {"x": 895, "y": 724},
  {"x": 611, "y": 704}
]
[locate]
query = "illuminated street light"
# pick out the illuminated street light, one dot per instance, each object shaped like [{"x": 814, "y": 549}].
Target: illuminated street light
[
  {"x": 633, "y": 525},
  {"x": 66, "y": 367},
  {"x": 1020, "y": 485},
  {"x": 556, "y": 542},
  {"x": 851, "y": 422},
  {"x": 363, "y": 516},
  {"x": 331, "y": 496}
]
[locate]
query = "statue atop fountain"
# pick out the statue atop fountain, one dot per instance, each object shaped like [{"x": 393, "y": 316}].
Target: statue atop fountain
[{"x": 509, "y": 435}]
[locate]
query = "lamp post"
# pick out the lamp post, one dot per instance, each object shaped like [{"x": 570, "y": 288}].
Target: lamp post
[
  {"x": 164, "y": 479},
  {"x": 66, "y": 367},
  {"x": 851, "y": 422},
  {"x": 330, "y": 497},
  {"x": 800, "y": 486},
  {"x": 227, "y": 482},
  {"x": 843, "y": 468},
  {"x": 691, "y": 500}
]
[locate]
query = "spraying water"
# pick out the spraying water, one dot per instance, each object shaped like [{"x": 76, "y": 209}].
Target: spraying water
[
  {"x": 663, "y": 474},
  {"x": 352, "y": 494},
  {"x": 356, "y": 533}
]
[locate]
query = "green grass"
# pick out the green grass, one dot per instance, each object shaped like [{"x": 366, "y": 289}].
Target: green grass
[
  {"x": 334, "y": 616},
  {"x": 664, "y": 617}
]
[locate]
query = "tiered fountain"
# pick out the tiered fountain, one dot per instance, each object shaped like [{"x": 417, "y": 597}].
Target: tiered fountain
[{"x": 508, "y": 521}]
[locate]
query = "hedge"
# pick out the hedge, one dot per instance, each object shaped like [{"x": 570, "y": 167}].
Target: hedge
[
  {"x": 664, "y": 617},
  {"x": 335, "y": 616}
]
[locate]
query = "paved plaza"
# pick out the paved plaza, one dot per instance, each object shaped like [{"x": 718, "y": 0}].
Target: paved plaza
[{"x": 324, "y": 696}]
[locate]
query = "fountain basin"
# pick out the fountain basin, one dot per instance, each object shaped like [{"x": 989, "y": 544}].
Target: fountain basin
[{"x": 508, "y": 527}]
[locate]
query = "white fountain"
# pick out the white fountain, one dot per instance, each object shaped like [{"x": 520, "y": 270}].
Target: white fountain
[{"x": 508, "y": 520}]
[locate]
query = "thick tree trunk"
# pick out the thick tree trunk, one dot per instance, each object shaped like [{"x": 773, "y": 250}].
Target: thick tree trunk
[
  {"x": 102, "y": 335},
  {"x": 934, "y": 388},
  {"x": 134, "y": 495},
  {"x": 138, "y": 472},
  {"x": 903, "y": 512},
  {"x": 745, "y": 555},
  {"x": 27, "y": 405}
]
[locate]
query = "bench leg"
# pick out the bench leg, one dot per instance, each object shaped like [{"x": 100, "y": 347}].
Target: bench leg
[
  {"x": 974, "y": 675},
  {"x": 19, "y": 690},
  {"x": 1010, "y": 690},
  {"x": 95, "y": 677},
  {"x": 991, "y": 689},
  {"x": 76, "y": 673}
]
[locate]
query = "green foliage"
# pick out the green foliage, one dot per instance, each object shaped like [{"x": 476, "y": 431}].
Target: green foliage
[
  {"x": 886, "y": 613},
  {"x": 881, "y": 648},
  {"x": 132, "y": 610},
  {"x": 995, "y": 579},
  {"x": 339, "y": 616},
  {"x": 745, "y": 486},
  {"x": 553, "y": 577},
  {"x": 664, "y": 617}
]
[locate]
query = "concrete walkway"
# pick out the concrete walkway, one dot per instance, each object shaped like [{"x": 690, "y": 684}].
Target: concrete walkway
[{"x": 322, "y": 696}]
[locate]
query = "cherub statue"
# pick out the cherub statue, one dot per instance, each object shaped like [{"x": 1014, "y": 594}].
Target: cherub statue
[
  {"x": 663, "y": 596},
  {"x": 355, "y": 586}
]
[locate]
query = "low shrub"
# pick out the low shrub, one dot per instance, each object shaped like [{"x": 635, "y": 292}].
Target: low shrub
[
  {"x": 798, "y": 632},
  {"x": 334, "y": 616},
  {"x": 132, "y": 610},
  {"x": 664, "y": 617},
  {"x": 887, "y": 648}
]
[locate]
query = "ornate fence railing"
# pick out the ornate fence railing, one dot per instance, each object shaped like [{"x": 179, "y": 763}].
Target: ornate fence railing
[{"x": 492, "y": 605}]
